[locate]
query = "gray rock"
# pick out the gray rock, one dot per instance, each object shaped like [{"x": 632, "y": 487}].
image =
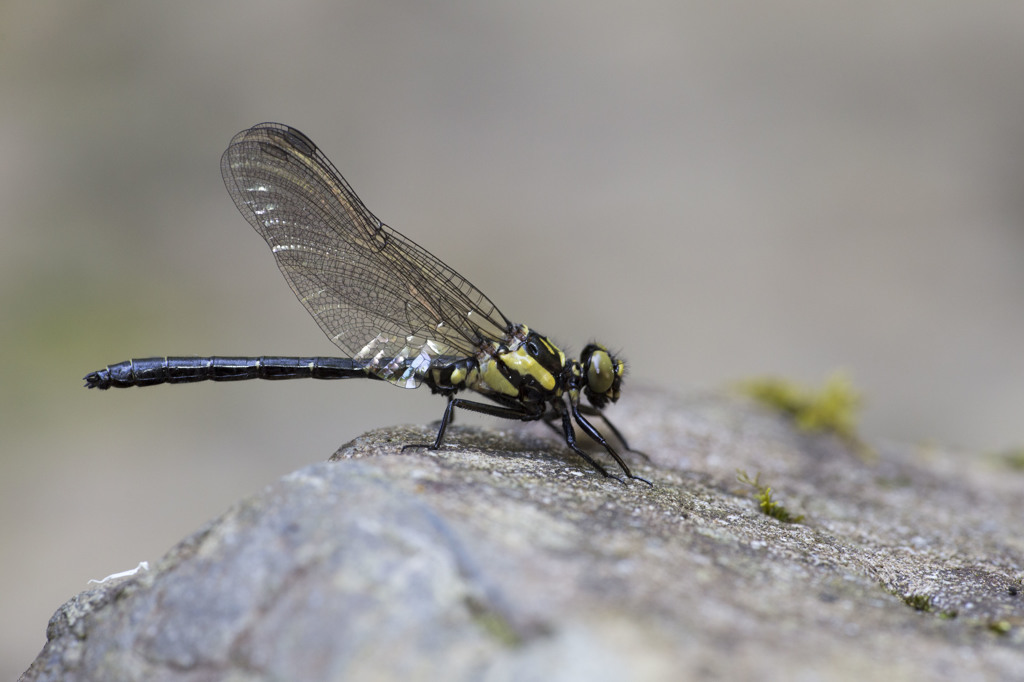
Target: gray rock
[{"x": 503, "y": 557}]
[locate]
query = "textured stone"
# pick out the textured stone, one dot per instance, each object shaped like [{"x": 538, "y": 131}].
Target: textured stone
[{"x": 503, "y": 557}]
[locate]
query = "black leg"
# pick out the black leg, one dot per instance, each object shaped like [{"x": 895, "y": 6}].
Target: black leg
[
  {"x": 570, "y": 440},
  {"x": 446, "y": 419},
  {"x": 594, "y": 412},
  {"x": 482, "y": 408},
  {"x": 522, "y": 414},
  {"x": 589, "y": 429}
]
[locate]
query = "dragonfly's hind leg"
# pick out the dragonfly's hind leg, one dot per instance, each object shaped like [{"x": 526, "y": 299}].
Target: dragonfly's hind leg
[{"x": 517, "y": 413}]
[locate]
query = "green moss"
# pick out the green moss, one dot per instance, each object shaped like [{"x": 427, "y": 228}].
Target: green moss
[
  {"x": 768, "y": 505},
  {"x": 832, "y": 408},
  {"x": 1000, "y": 627},
  {"x": 1013, "y": 458},
  {"x": 894, "y": 482},
  {"x": 493, "y": 623},
  {"x": 918, "y": 602}
]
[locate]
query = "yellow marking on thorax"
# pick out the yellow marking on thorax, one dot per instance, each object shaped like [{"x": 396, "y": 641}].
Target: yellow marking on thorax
[
  {"x": 495, "y": 380},
  {"x": 457, "y": 376},
  {"x": 555, "y": 350},
  {"x": 520, "y": 362}
]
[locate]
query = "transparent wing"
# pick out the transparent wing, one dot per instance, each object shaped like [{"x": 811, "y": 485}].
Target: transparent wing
[{"x": 377, "y": 295}]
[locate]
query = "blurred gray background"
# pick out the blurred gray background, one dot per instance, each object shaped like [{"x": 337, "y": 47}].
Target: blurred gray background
[{"x": 719, "y": 189}]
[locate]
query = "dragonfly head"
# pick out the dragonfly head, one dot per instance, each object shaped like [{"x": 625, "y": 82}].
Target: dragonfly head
[{"x": 603, "y": 373}]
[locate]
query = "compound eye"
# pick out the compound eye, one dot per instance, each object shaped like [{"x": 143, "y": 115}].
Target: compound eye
[{"x": 600, "y": 372}]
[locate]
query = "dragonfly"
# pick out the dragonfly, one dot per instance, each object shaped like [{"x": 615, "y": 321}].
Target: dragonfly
[{"x": 397, "y": 312}]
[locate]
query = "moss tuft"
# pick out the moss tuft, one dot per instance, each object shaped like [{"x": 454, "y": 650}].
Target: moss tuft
[
  {"x": 768, "y": 505},
  {"x": 918, "y": 602},
  {"x": 832, "y": 408}
]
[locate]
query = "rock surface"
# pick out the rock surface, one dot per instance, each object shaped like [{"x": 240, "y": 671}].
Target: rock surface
[{"x": 503, "y": 557}]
